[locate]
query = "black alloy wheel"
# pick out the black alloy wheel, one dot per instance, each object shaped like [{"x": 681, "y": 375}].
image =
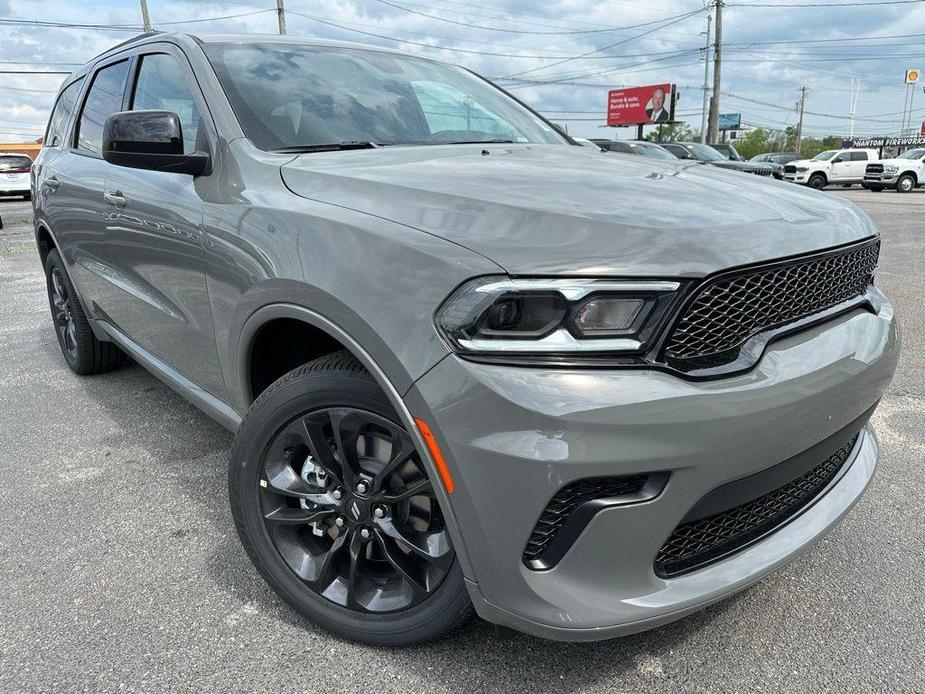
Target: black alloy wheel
[
  {"x": 62, "y": 315},
  {"x": 335, "y": 508},
  {"x": 350, "y": 510},
  {"x": 817, "y": 181}
]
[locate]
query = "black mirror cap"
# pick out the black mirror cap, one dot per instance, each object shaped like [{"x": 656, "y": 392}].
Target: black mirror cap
[{"x": 151, "y": 140}]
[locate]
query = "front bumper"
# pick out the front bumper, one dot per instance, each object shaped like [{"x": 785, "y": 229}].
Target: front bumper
[
  {"x": 797, "y": 177},
  {"x": 512, "y": 437},
  {"x": 880, "y": 179}
]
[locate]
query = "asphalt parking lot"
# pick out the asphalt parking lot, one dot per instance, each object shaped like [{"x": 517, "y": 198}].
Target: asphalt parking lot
[{"x": 120, "y": 569}]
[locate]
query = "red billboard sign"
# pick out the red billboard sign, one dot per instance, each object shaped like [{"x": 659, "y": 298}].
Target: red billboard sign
[{"x": 641, "y": 105}]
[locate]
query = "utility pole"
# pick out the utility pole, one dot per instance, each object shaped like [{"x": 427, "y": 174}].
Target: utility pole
[
  {"x": 145, "y": 19},
  {"x": 706, "y": 83},
  {"x": 799, "y": 142},
  {"x": 853, "y": 105},
  {"x": 281, "y": 17},
  {"x": 713, "y": 127}
]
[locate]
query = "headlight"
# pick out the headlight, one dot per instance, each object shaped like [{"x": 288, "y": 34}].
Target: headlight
[
  {"x": 802, "y": 169},
  {"x": 540, "y": 316},
  {"x": 890, "y": 169}
]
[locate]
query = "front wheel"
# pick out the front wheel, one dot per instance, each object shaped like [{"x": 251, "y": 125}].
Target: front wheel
[
  {"x": 817, "y": 181},
  {"x": 336, "y": 511},
  {"x": 905, "y": 184}
]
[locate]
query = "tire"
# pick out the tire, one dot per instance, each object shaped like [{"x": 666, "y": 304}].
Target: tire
[
  {"x": 264, "y": 475},
  {"x": 875, "y": 189},
  {"x": 84, "y": 354},
  {"x": 817, "y": 181},
  {"x": 27, "y": 196},
  {"x": 906, "y": 183}
]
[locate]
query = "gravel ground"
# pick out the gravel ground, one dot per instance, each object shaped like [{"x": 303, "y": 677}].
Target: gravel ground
[{"x": 120, "y": 569}]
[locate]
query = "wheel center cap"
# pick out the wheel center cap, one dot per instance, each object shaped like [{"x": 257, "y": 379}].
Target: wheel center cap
[{"x": 357, "y": 510}]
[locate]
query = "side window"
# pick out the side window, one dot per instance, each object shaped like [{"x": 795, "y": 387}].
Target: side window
[
  {"x": 104, "y": 99},
  {"x": 57, "y": 124},
  {"x": 162, "y": 86},
  {"x": 859, "y": 156}
]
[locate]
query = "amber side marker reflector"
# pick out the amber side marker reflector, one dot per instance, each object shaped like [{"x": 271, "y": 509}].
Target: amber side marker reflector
[{"x": 437, "y": 455}]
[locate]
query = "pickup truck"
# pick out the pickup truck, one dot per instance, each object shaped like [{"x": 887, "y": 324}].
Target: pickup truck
[
  {"x": 843, "y": 166},
  {"x": 905, "y": 173}
]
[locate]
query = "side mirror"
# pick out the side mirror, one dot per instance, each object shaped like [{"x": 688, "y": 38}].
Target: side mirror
[
  {"x": 838, "y": 160},
  {"x": 151, "y": 140}
]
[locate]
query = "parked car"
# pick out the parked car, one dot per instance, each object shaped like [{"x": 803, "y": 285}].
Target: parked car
[
  {"x": 588, "y": 143},
  {"x": 698, "y": 151},
  {"x": 728, "y": 150},
  {"x": 15, "y": 174},
  {"x": 643, "y": 148},
  {"x": 777, "y": 160},
  {"x": 905, "y": 173},
  {"x": 467, "y": 364},
  {"x": 834, "y": 166}
]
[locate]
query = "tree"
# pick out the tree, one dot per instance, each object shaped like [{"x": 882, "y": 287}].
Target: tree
[{"x": 673, "y": 132}]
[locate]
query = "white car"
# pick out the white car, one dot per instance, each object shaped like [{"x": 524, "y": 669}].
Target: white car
[
  {"x": 587, "y": 143},
  {"x": 834, "y": 166},
  {"x": 905, "y": 173},
  {"x": 15, "y": 174}
]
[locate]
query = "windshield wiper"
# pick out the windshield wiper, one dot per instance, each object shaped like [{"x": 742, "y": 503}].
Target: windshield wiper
[
  {"x": 475, "y": 142},
  {"x": 326, "y": 147}
]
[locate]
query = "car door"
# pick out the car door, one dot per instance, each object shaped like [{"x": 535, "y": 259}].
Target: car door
[
  {"x": 154, "y": 230},
  {"x": 72, "y": 185},
  {"x": 858, "y": 164},
  {"x": 841, "y": 167}
]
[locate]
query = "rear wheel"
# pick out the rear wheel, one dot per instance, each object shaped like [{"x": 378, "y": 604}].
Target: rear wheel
[
  {"x": 336, "y": 511},
  {"x": 906, "y": 183},
  {"x": 83, "y": 353},
  {"x": 817, "y": 181}
]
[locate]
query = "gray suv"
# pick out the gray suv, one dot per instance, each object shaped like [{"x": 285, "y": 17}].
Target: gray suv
[{"x": 469, "y": 364}]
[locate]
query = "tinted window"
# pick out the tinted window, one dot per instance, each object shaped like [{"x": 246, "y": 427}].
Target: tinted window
[
  {"x": 677, "y": 150},
  {"x": 57, "y": 124},
  {"x": 858, "y": 156},
  {"x": 14, "y": 162},
  {"x": 287, "y": 95},
  {"x": 162, "y": 86},
  {"x": 104, "y": 99},
  {"x": 617, "y": 147}
]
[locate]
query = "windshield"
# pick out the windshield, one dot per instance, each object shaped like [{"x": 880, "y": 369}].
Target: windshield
[
  {"x": 825, "y": 156},
  {"x": 14, "y": 161},
  {"x": 653, "y": 151},
  {"x": 912, "y": 154},
  {"x": 704, "y": 152},
  {"x": 290, "y": 95}
]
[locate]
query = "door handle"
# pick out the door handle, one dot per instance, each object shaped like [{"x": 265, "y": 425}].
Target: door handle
[
  {"x": 51, "y": 183},
  {"x": 116, "y": 199}
]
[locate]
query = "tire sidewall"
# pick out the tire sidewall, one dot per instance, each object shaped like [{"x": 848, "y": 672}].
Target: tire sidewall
[
  {"x": 54, "y": 262},
  {"x": 300, "y": 395},
  {"x": 899, "y": 184}
]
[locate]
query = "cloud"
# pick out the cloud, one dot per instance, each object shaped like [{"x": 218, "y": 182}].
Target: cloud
[{"x": 764, "y": 78}]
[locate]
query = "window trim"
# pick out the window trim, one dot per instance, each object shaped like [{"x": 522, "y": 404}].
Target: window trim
[{"x": 113, "y": 60}]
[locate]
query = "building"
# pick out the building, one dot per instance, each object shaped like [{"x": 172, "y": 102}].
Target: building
[{"x": 30, "y": 148}]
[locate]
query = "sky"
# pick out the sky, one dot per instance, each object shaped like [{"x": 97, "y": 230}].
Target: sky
[{"x": 567, "y": 54}]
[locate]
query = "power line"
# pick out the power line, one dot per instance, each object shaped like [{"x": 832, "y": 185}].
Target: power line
[
  {"x": 674, "y": 20},
  {"x": 826, "y": 4},
  {"x": 518, "y": 31}
]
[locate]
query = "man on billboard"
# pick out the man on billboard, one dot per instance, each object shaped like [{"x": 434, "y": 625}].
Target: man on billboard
[{"x": 655, "y": 109}]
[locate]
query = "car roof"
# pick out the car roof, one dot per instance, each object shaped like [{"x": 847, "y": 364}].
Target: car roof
[{"x": 242, "y": 39}]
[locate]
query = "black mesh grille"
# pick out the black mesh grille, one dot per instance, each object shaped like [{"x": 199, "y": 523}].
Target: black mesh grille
[
  {"x": 698, "y": 543},
  {"x": 729, "y": 309},
  {"x": 875, "y": 168},
  {"x": 789, "y": 168},
  {"x": 570, "y": 497}
]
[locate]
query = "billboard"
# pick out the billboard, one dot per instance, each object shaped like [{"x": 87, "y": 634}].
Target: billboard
[
  {"x": 641, "y": 105},
  {"x": 912, "y": 75},
  {"x": 730, "y": 121}
]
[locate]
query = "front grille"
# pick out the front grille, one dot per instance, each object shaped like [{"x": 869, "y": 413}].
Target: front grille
[
  {"x": 875, "y": 168},
  {"x": 704, "y": 541},
  {"x": 761, "y": 171},
  {"x": 569, "y": 498},
  {"x": 729, "y": 309},
  {"x": 790, "y": 169}
]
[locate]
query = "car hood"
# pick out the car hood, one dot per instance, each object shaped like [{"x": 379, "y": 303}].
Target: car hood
[
  {"x": 735, "y": 165},
  {"x": 809, "y": 162},
  {"x": 556, "y": 209},
  {"x": 896, "y": 162}
]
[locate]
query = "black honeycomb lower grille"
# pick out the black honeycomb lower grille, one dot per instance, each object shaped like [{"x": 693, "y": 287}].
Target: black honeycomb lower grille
[
  {"x": 704, "y": 541},
  {"x": 729, "y": 309},
  {"x": 569, "y": 498}
]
